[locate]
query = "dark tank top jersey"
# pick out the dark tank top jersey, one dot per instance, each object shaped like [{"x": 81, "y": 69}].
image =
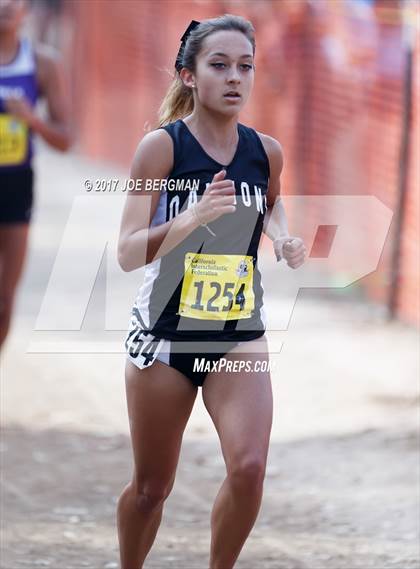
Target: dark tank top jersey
[{"x": 209, "y": 287}]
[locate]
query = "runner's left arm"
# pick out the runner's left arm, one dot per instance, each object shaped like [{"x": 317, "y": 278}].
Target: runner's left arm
[
  {"x": 275, "y": 221},
  {"x": 56, "y": 130}
]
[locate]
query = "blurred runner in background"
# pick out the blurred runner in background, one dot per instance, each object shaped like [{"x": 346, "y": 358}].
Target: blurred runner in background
[{"x": 27, "y": 73}]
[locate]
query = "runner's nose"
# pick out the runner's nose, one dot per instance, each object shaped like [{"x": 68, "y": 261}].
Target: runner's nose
[{"x": 233, "y": 76}]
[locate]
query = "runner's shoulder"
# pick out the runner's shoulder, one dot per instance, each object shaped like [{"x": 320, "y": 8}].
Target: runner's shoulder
[
  {"x": 274, "y": 151},
  {"x": 46, "y": 53},
  {"x": 153, "y": 156},
  {"x": 48, "y": 61}
]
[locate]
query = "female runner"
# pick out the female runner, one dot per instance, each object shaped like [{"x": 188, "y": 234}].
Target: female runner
[
  {"x": 27, "y": 72},
  {"x": 199, "y": 316}
]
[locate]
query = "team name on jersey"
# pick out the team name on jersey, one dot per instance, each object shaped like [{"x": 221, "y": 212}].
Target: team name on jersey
[
  {"x": 248, "y": 199},
  {"x": 6, "y": 92}
]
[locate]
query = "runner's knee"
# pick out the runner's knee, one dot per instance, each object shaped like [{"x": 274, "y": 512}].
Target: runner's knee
[
  {"x": 247, "y": 473},
  {"x": 148, "y": 499}
]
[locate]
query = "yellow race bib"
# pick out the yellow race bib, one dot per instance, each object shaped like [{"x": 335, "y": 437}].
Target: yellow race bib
[
  {"x": 217, "y": 287},
  {"x": 13, "y": 140}
]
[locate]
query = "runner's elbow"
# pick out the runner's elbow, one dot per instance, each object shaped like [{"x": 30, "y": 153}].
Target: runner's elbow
[
  {"x": 125, "y": 262},
  {"x": 123, "y": 257},
  {"x": 65, "y": 140},
  {"x": 66, "y": 144},
  {"x": 128, "y": 259}
]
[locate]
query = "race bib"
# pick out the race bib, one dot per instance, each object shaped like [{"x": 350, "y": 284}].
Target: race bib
[
  {"x": 217, "y": 287},
  {"x": 13, "y": 141},
  {"x": 142, "y": 346}
]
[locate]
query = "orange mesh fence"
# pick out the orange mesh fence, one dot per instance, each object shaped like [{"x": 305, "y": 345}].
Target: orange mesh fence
[{"x": 329, "y": 85}]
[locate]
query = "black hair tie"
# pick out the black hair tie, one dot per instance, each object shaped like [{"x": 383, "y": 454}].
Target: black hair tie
[{"x": 178, "y": 61}]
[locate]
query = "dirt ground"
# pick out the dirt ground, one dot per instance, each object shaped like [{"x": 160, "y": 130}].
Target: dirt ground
[{"x": 342, "y": 486}]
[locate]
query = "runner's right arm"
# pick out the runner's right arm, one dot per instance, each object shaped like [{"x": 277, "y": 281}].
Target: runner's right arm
[{"x": 139, "y": 244}]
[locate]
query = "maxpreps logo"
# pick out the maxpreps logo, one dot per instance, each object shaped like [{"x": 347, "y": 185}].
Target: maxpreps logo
[
  {"x": 365, "y": 216},
  {"x": 236, "y": 366}
]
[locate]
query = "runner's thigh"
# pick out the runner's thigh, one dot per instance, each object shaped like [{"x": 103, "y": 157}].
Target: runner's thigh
[
  {"x": 13, "y": 244},
  {"x": 241, "y": 407},
  {"x": 159, "y": 402}
]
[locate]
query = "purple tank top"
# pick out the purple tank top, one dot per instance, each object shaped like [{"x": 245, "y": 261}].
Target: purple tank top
[{"x": 17, "y": 79}]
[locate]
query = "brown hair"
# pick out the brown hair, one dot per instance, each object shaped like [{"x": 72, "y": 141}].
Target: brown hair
[{"x": 178, "y": 101}]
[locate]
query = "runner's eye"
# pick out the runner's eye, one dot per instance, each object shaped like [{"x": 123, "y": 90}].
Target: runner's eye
[{"x": 244, "y": 66}]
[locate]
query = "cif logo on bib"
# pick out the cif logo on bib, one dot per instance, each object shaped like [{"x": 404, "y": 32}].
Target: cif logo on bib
[{"x": 242, "y": 270}]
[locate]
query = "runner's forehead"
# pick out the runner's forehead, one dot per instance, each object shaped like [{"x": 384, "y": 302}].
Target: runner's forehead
[{"x": 230, "y": 43}]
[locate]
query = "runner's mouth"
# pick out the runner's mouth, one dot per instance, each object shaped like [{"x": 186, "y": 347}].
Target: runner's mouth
[{"x": 232, "y": 96}]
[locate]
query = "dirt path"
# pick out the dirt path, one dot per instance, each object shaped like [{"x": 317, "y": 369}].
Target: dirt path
[{"x": 331, "y": 502}]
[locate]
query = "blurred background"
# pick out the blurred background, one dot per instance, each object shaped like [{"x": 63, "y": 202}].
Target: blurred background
[
  {"x": 337, "y": 83},
  {"x": 333, "y": 82}
]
